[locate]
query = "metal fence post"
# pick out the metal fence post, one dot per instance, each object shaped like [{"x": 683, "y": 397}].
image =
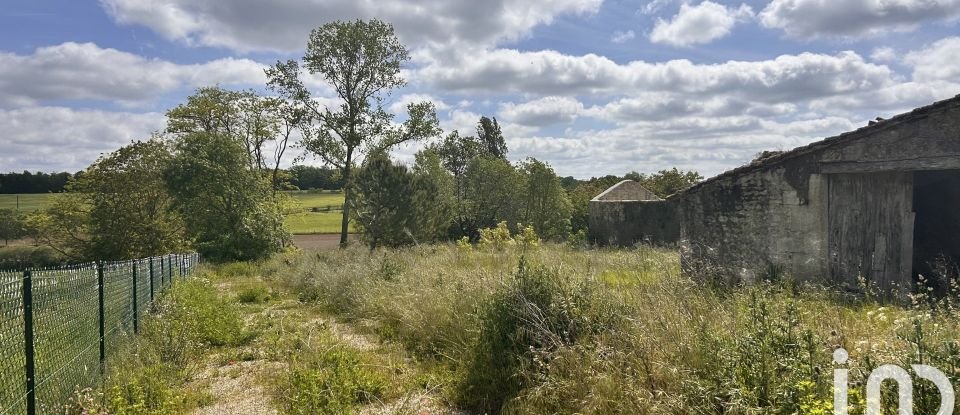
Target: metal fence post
[
  {"x": 28, "y": 343},
  {"x": 136, "y": 307},
  {"x": 161, "y": 273},
  {"x": 170, "y": 268},
  {"x": 102, "y": 323},
  {"x": 183, "y": 267},
  {"x": 151, "y": 280}
]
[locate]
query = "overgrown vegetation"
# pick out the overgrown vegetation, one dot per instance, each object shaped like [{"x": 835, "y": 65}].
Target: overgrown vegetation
[
  {"x": 552, "y": 329},
  {"x": 147, "y": 375}
]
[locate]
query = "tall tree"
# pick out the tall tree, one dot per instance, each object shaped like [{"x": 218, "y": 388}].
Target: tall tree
[
  {"x": 494, "y": 193},
  {"x": 361, "y": 61},
  {"x": 263, "y": 125},
  {"x": 546, "y": 206},
  {"x": 119, "y": 208},
  {"x": 12, "y": 225},
  {"x": 489, "y": 134},
  {"x": 455, "y": 154},
  {"x": 226, "y": 205}
]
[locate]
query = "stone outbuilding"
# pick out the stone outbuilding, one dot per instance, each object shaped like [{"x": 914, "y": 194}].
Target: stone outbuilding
[
  {"x": 628, "y": 213},
  {"x": 880, "y": 204}
]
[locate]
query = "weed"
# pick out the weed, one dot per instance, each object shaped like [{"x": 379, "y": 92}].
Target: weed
[{"x": 256, "y": 293}]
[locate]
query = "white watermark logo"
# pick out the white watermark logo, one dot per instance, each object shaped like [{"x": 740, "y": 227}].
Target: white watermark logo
[{"x": 904, "y": 386}]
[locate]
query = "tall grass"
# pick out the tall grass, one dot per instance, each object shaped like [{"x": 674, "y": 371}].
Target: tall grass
[
  {"x": 147, "y": 374},
  {"x": 560, "y": 330}
]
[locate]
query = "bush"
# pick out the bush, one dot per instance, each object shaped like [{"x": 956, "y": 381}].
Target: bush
[
  {"x": 191, "y": 318},
  {"x": 539, "y": 312},
  {"x": 256, "y": 293},
  {"x": 328, "y": 380},
  {"x": 25, "y": 256}
]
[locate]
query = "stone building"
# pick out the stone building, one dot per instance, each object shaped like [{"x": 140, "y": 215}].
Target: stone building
[
  {"x": 879, "y": 203},
  {"x": 628, "y": 213}
]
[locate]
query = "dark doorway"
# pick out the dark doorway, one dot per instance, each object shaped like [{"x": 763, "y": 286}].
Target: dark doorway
[{"x": 936, "y": 243}]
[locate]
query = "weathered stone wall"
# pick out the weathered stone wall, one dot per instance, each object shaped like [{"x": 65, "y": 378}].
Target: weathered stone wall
[
  {"x": 625, "y": 223},
  {"x": 776, "y": 214},
  {"x": 742, "y": 226}
]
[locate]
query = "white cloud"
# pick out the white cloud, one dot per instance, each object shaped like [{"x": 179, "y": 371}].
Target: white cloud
[
  {"x": 87, "y": 71},
  {"x": 542, "y": 112},
  {"x": 399, "y": 105},
  {"x": 883, "y": 54},
  {"x": 938, "y": 62},
  {"x": 786, "y": 78},
  {"x": 854, "y": 18},
  {"x": 252, "y": 25},
  {"x": 58, "y": 139},
  {"x": 699, "y": 24},
  {"x": 654, "y": 6},
  {"x": 622, "y": 37}
]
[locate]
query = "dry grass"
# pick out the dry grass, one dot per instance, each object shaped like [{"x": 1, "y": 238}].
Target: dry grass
[{"x": 666, "y": 344}]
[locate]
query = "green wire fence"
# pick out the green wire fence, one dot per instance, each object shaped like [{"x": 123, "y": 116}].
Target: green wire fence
[{"x": 58, "y": 325}]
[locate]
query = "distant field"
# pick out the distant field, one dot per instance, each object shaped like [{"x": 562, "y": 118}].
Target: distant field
[
  {"x": 317, "y": 199},
  {"x": 27, "y": 203},
  {"x": 325, "y": 220}
]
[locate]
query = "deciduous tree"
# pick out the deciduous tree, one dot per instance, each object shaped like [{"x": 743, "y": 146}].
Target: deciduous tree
[
  {"x": 488, "y": 132},
  {"x": 360, "y": 60},
  {"x": 226, "y": 205}
]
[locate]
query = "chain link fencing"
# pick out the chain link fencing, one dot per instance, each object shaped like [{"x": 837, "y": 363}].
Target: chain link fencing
[{"x": 58, "y": 325}]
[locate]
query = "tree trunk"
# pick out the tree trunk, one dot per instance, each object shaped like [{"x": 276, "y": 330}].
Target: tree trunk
[{"x": 347, "y": 198}]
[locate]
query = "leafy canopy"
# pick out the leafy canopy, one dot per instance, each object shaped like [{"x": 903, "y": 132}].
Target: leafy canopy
[{"x": 360, "y": 61}]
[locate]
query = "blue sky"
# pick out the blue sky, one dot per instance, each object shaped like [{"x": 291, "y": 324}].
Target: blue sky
[{"x": 593, "y": 87}]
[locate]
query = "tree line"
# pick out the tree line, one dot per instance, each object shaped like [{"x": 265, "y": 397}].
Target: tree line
[{"x": 33, "y": 182}]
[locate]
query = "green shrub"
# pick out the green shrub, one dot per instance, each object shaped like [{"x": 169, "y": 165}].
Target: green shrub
[
  {"x": 329, "y": 379},
  {"x": 256, "y": 293},
  {"x": 539, "y": 312},
  {"x": 192, "y": 317}
]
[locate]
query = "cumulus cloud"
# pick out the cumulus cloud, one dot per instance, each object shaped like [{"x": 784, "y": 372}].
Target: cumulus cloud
[
  {"x": 58, "y": 138},
  {"x": 542, "y": 112},
  {"x": 399, "y": 105},
  {"x": 937, "y": 62},
  {"x": 883, "y": 54},
  {"x": 787, "y": 77},
  {"x": 854, "y": 18},
  {"x": 622, "y": 37},
  {"x": 699, "y": 24},
  {"x": 74, "y": 71},
  {"x": 251, "y": 25}
]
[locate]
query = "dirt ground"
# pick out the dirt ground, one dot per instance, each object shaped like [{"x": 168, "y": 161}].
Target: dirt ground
[{"x": 320, "y": 241}]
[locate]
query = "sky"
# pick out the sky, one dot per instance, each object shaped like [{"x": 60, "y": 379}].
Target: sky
[{"x": 593, "y": 87}]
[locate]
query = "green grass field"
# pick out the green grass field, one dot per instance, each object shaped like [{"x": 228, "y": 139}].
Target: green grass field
[
  {"x": 27, "y": 203},
  {"x": 307, "y": 221},
  {"x": 316, "y": 199},
  {"x": 318, "y": 212}
]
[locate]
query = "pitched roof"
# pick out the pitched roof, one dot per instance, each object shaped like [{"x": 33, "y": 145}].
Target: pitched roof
[
  {"x": 626, "y": 190},
  {"x": 860, "y": 133}
]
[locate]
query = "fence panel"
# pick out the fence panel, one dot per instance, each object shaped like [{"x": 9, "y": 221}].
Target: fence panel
[
  {"x": 65, "y": 306},
  {"x": 65, "y": 333},
  {"x": 13, "y": 390},
  {"x": 143, "y": 287},
  {"x": 118, "y": 303}
]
